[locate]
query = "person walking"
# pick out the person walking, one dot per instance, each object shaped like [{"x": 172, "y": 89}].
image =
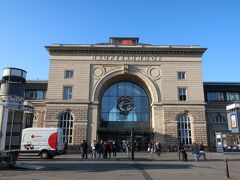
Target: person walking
[
  {"x": 202, "y": 152},
  {"x": 109, "y": 149},
  {"x": 195, "y": 151},
  {"x": 93, "y": 146},
  {"x": 150, "y": 148},
  {"x": 180, "y": 150},
  {"x": 84, "y": 147},
  {"x": 100, "y": 149},
  {"x": 114, "y": 149},
  {"x": 65, "y": 146},
  {"x": 105, "y": 149},
  {"x": 159, "y": 149},
  {"x": 127, "y": 145}
]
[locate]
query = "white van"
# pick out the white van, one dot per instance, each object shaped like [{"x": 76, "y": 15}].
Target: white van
[{"x": 45, "y": 142}]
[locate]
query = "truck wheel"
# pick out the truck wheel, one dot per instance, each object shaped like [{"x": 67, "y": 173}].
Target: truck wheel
[{"x": 44, "y": 155}]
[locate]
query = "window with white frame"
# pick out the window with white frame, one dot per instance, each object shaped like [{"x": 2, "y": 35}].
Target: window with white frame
[
  {"x": 219, "y": 119},
  {"x": 67, "y": 92},
  {"x": 181, "y": 75},
  {"x": 66, "y": 123},
  {"x": 184, "y": 129},
  {"x": 232, "y": 96},
  {"x": 68, "y": 74},
  {"x": 182, "y": 94}
]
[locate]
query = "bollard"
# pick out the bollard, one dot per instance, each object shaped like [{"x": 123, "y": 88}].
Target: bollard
[{"x": 226, "y": 167}]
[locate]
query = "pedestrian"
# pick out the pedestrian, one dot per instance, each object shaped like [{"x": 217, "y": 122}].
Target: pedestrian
[
  {"x": 81, "y": 151},
  {"x": 150, "y": 148},
  {"x": 97, "y": 148},
  {"x": 195, "y": 151},
  {"x": 127, "y": 145},
  {"x": 84, "y": 147},
  {"x": 65, "y": 146},
  {"x": 105, "y": 149},
  {"x": 93, "y": 146},
  {"x": 202, "y": 152},
  {"x": 109, "y": 144},
  {"x": 159, "y": 149},
  {"x": 184, "y": 155},
  {"x": 100, "y": 149},
  {"x": 180, "y": 150},
  {"x": 114, "y": 148}
]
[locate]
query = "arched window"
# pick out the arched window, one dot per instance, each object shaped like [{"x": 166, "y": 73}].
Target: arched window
[
  {"x": 184, "y": 129},
  {"x": 66, "y": 123},
  {"x": 125, "y": 104},
  {"x": 219, "y": 119}
]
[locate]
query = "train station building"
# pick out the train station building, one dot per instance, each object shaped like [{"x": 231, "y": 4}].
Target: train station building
[
  {"x": 108, "y": 90},
  {"x": 102, "y": 91}
]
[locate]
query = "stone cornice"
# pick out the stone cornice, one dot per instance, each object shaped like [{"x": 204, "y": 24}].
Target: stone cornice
[
  {"x": 113, "y": 49},
  {"x": 179, "y": 104},
  {"x": 61, "y": 102}
]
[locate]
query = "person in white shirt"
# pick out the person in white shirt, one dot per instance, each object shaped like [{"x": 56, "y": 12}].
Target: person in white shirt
[{"x": 93, "y": 145}]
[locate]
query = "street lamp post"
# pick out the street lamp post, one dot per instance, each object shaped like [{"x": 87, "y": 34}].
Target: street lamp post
[{"x": 132, "y": 143}]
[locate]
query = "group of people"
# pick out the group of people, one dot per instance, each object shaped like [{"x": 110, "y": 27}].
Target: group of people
[
  {"x": 107, "y": 149},
  {"x": 154, "y": 147},
  {"x": 104, "y": 149},
  {"x": 197, "y": 151}
]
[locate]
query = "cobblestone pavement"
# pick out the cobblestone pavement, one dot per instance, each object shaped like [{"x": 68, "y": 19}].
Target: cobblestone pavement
[{"x": 143, "y": 167}]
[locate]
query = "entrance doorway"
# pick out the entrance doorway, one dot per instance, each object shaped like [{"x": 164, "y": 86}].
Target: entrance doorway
[
  {"x": 140, "y": 140},
  {"x": 125, "y": 105}
]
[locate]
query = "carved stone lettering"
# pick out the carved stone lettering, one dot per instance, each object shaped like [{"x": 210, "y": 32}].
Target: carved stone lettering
[{"x": 126, "y": 58}]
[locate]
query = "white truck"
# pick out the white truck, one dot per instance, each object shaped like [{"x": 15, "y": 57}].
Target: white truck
[{"x": 45, "y": 142}]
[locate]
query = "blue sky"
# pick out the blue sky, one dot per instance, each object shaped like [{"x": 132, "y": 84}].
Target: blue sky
[{"x": 28, "y": 25}]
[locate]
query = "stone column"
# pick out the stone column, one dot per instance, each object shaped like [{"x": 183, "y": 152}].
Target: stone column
[
  {"x": 158, "y": 123},
  {"x": 199, "y": 127},
  {"x": 93, "y": 122}
]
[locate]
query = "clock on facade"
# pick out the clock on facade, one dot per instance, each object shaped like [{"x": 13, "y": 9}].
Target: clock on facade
[{"x": 125, "y": 104}]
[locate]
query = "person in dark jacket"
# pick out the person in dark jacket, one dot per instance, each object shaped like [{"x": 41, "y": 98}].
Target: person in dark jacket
[
  {"x": 84, "y": 147},
  {"x": 159, "y": 149},
  {"x": 65, "y": 146},
  {"x": 180, "y": 150},
  {"x": 100, "y": 149}
]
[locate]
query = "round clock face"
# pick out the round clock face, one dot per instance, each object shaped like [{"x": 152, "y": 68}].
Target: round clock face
[{"x": 125, "y": 104}]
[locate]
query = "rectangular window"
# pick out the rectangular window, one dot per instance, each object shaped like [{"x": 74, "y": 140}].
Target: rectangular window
[
  {"x": 181, "y": 75},
  {"x": 35, "y": 94},
  {"x": 29, "y": 94},
  {"x": 233, "y": 96},
  {"x": 182, "y": 94},
  {"x": 39, "y": 94},
  {"x": 67, "y": 93},
  {"x": 215, "y": 96},
  {"x": 68, "y": 74}
]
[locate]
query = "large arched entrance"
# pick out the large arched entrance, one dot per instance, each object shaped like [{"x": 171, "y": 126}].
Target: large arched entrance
[{"x": 125, "y": 105}]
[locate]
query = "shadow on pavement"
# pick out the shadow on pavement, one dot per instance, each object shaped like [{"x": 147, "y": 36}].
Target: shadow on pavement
[{"x": 99, "y": 166}]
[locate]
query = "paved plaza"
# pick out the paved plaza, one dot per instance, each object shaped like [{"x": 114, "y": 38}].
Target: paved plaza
[{"x": 144, "y": 167}]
